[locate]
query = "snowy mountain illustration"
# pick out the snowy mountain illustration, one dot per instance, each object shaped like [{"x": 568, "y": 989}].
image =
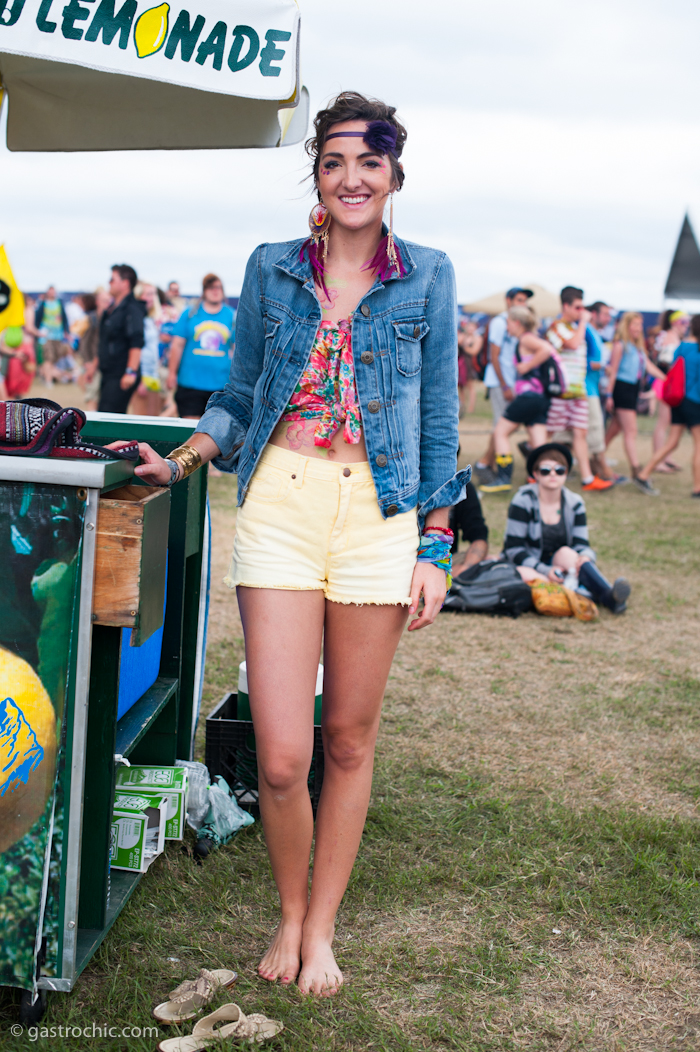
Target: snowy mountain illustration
[{"x": 20, "y": 752}]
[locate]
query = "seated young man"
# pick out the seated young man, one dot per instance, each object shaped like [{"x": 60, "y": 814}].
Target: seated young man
[
  {"x": 547, "y": 533},
  {"x": 468, "y": 518}
]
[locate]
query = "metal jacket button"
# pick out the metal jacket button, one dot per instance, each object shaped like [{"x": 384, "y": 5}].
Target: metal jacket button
[
  {"x": 347, "y": 472},
  {"x": 392, "y": 509},
  {"x": 373, "y": 406},
  {"x": 416, "y": 331},
  {"x": 365, "y": 310},
  {"x": 366, "y": 357},
  {"x": 381, "y": 460}
]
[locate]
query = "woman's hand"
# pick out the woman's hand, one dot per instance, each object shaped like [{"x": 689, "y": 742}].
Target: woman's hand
[
  {"x": 430, "y": 581},
  {"x": 555, "y": 575},
  {"x": 154, "y": 470}
]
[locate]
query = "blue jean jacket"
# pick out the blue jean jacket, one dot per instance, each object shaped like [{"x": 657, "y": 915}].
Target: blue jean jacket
[{"x": 404, "y": 345}]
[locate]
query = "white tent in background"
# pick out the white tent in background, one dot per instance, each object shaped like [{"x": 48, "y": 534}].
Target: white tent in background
[
  {"x": 544, "y": 303},
  {"x": 138, "y": 75}
]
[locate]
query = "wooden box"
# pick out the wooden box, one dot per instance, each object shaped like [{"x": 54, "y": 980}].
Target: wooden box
[{"x": 130, "y": 559}]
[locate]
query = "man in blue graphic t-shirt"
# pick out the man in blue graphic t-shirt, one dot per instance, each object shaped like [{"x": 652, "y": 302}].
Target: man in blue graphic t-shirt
[{"x": 201, "y": 349}]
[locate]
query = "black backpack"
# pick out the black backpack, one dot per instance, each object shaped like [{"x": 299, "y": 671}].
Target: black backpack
[{"x": 490, "y": 587}]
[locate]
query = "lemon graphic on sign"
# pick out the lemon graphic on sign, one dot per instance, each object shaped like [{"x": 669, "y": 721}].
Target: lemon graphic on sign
[
  {"x": 27, "y": 748},
  {"x": 150, "y": 30}
]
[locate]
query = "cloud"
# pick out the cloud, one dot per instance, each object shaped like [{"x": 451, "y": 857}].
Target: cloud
[{"x": 550, "y": 143}]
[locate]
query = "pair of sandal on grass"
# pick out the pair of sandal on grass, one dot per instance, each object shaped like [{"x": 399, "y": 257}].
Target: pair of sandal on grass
[{"x": 185, "y": 1002}]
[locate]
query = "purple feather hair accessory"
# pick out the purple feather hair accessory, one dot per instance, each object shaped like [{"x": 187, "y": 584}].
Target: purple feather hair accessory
[
  {"x": 313, "y": 252},
  {"x": 381, "y": 136},
  {"x": 381, "y": 264}
]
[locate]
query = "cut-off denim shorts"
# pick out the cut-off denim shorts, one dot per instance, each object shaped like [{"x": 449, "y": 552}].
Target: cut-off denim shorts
[{"x": 310, "y": 524}]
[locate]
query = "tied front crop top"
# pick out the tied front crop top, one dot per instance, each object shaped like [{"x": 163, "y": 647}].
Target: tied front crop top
[{"x": 326, "y": 391}]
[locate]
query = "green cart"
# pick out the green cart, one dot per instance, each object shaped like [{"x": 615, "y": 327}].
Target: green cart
[{"x": 105, "y": 581}]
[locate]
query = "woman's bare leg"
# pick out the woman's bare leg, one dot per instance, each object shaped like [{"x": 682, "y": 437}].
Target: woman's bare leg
[
  {"x": 359, "y": 647},
  {"x": 283, "y": 630},
  {"x": 537, "y": 434},
  {"x": 565, "y": 558},
  {"x": 613, "y": 430},
  {"x": 674, "y": 438},
  {"x": 695, "y": 432},
  {"x": 501, "y": 436},
  {"x": 628, "y": 423}
]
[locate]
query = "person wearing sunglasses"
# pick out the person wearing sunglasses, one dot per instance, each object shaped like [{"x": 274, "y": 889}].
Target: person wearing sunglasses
[{"x": 547, "y": 533}]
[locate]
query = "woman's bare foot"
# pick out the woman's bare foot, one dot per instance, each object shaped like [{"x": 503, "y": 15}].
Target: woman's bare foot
[
  {"x": 283, "y": 959},
  {"x": 320, "y": 975}
]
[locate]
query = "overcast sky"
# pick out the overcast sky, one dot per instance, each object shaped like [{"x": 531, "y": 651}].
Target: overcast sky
[{"x": 548, "y": 142}]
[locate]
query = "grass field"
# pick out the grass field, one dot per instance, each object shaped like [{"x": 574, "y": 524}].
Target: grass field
[{"x": 528, "y": 878}]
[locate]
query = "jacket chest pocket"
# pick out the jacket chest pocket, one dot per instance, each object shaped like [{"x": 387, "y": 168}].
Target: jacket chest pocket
[
  {"x": 409, "y": 335},
  {"x": 277, "y": 337}
]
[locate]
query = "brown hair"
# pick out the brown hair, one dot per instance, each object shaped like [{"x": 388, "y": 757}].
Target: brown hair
[
  {"x": 210, "y": 279},
  {"x": 352, "y": 106},
  {"x": 551, "y": 454}
]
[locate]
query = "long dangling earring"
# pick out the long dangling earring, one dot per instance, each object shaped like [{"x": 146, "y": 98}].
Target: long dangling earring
[
  {"x": 390, "y": 246},
  {"x": 319, "y": 225}
]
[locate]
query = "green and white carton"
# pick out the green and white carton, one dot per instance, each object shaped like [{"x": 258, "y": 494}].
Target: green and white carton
[
  {"x": 138, "y": 829},
  {"x": 171, "y": 782}
]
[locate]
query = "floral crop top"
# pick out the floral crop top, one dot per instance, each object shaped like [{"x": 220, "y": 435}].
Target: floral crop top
[{"x": 326, "y": 391}]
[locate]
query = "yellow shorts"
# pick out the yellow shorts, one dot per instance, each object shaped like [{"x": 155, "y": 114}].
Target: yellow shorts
[{"x": 310, "y": 524}]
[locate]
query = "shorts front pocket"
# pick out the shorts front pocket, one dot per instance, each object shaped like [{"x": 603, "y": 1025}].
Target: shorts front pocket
[{"x": 269, "y": 485}]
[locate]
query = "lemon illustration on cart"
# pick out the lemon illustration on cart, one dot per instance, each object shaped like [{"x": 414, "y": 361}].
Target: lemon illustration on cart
[
  {"x": 150, "y": 30},
  {"x": 27, "y": 748}
]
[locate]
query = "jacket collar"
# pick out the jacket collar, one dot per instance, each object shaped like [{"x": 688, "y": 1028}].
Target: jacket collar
[{"x": 300, "y": 268}]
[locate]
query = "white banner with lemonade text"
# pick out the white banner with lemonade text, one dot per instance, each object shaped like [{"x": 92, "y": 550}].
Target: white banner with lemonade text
[{"x": 247, "y": 48}]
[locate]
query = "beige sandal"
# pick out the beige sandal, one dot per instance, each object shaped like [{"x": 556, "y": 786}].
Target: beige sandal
[
  {"x": 255, "y": 1027},
  {"x": 204, "y": 1033},
  {"x": 185, "y": 1001}
]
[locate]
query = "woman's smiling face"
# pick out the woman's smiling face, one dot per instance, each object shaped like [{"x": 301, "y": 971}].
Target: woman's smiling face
[{"x": 353, "y": 180}]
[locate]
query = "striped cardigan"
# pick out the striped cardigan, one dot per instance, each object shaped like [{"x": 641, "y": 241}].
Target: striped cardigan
[{"x": 522, "y": 544}]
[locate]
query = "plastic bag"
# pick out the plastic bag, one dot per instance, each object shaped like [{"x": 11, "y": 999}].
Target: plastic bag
[
  {"x": 225, "y": 817},
  {"x": 197, "y": 792}
]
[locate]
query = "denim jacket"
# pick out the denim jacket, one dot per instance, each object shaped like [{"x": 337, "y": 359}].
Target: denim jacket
[{"x": 404, "y": 345}]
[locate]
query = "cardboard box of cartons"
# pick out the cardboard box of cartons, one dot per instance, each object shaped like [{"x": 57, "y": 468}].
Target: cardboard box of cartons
[
  {"x": 138, "y": 829},
  {"x": 171, "y": 782}
]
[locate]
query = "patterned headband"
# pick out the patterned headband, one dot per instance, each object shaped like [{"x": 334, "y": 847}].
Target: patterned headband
[{"x": 380, "y": 137}]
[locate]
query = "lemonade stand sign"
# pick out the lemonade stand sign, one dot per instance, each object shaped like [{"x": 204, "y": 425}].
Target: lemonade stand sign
[{"x": 59, "y": 60}]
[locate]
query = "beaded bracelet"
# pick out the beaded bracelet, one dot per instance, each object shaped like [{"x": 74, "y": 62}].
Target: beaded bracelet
[
  {"x": 436, "y": 549},
  {"x": 440, "y": 529}
]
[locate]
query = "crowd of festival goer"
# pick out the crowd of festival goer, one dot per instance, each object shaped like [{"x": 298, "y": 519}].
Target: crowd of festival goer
[
  {"x": 574, "y": 382},
  {"x": 131, "y": 345},
  {"x": 583, "y": 379}
]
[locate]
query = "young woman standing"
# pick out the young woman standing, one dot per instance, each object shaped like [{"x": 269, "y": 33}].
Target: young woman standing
[
  {"x": 530, "y": 405},
  {"x": 674, "y": 326},
  {"x": 629, "y": 363},
  {"x": 340, "y": 418},
  {"x": 685, "y": 415}
]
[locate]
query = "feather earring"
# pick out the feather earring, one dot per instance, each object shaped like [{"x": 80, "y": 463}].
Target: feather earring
[
  {"x": 319, "y": 225},
  {"x": 391, "y": 252}
]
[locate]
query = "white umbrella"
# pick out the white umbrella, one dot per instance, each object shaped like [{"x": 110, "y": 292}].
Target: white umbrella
[{"x": 138, "y": 75}]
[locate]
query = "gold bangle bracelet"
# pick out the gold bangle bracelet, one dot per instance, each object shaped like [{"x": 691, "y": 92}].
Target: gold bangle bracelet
[{"x": 188, "y": 458}]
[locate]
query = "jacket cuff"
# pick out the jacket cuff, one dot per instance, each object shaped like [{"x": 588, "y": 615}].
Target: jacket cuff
[
  {"x": 226, "y": 432},
  {"x": 450, "y": 493}
]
